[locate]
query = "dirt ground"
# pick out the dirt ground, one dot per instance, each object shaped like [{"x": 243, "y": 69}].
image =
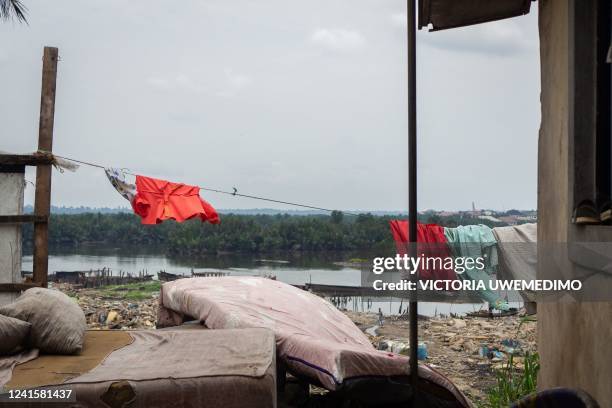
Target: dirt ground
[
  {"x": 466, "y": 350},
  {"x": 454, "y": 345}
]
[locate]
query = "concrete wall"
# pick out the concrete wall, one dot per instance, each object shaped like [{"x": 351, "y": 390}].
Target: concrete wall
[
  {"x": 11, "y": 203},
  {"x": 574, "y": 338}
]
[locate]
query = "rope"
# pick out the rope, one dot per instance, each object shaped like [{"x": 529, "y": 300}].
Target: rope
[{"x": 232, "y": 193}]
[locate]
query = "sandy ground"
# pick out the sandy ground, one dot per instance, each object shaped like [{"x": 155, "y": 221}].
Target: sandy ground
[{"x": 454, "y": 345}]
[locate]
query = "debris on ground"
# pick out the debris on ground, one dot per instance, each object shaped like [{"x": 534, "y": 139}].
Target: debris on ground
[
  {"x": 467, "y": 350},
  {"x": 123, "y": 307}
]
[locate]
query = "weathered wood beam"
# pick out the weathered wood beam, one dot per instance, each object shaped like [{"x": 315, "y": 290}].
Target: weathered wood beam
[
  {"x": 17, "y": 287},
  {"x": 42, "y": 198},
  {"x": 25, "y": 159},
  {"x": 17, "y": 219}
]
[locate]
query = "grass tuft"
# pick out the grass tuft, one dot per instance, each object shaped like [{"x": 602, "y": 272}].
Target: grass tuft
[
  {"x": 132, "y": 291},
  {"x": 513, "y": 384}
]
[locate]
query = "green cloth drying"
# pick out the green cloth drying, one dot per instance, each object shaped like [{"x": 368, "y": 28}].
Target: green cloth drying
[{"x": 476, "y": 241}]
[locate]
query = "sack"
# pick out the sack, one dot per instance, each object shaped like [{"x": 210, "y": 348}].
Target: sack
[
  {"x": 58, "y": 323},
  {"x": 13, "y": 333}
]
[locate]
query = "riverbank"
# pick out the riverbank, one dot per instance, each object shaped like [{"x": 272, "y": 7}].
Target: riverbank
[{"x": 467, "y": 350}]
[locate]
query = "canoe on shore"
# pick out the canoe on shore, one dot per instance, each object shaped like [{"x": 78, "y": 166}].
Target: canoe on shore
[
  {"x": 164, "y": 276},
  {"x": 491, "y": 314}
]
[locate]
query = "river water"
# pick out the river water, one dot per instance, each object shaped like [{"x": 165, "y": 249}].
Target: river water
[{"x": 292, "y": 268}]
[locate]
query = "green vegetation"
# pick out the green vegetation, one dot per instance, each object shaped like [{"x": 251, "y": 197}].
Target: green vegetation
[
  {"x": 236, "y": 233},
  {"x": 513, "y": 383},
  {"x": 132, "y": 291}
]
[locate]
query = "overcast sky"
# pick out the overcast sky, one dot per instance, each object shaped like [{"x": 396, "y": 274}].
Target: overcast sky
[{"x": 302, "y": 101}]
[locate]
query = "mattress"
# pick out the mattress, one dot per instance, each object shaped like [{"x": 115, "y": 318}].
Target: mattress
[
  {"x": 315, "y": 341},
  {"x": 187, "y": 368}
]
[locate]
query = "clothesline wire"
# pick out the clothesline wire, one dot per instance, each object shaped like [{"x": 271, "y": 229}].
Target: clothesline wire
[{"x": 232, "y": 193}]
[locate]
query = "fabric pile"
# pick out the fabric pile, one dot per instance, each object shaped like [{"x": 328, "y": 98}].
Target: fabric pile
[
  {"x": 508, "y": 253},
  {"x": 431, "y": 242},
  {"x": 474, "y": 241},
  {"x": 518, "y": 254}
]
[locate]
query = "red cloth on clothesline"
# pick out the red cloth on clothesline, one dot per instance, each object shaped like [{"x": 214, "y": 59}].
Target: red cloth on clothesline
[
  {"x": 431, "y": 242},
  {"x": 159, "y": 200}
]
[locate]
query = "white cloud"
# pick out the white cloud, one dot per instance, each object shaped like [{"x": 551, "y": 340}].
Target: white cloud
[
  {"x": 227, "y": 86},
  {"x": 337, "y": 39},
  {"x": 399, "y": 20},
  {"x": 234, "y": 84},
  {"x": 178, "y": 82},
  {"x": 159, "y": 83},
  {"x": 214, "y": 75}
]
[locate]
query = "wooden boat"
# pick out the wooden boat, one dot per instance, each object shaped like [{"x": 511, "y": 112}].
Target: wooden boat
[
  {"x": 164, "y": 276},
  {"x": 490, "y": 314}
]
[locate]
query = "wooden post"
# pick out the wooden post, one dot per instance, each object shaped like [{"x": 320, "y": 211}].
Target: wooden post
[{"x": 42, "y": 199}]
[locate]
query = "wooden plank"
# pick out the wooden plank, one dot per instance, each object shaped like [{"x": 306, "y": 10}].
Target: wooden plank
[
  {"x": 16, "y": 219},
  {"x": 42, "y": 200},
  {"x": 339, "y": 290},
  {"x": 17, "y": 287},
  {"x": 12, "y": 168},
  {"x": 25, "y": 159}
]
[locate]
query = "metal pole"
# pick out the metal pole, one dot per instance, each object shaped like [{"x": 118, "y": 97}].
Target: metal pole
[{"x": 412, "y": 190}]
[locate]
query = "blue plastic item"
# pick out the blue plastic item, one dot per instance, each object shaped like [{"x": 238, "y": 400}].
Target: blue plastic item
[{"x": 422, "y": 351}]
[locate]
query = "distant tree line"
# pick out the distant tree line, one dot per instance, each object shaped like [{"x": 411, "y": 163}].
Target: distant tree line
[{"x": 236, "y": 233}]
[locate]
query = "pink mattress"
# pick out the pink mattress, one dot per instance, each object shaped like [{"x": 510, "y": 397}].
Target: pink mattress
[{"x": 314, "y": 339}]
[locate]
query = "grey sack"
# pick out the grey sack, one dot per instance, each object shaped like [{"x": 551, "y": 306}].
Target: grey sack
[
  {"x": 13, "y": 333},
  {"x": 58, "y": 323}
]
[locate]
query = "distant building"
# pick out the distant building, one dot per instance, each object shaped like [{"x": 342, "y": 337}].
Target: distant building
[
  {"x": 489, "y": 218},
  {"x": 527, "y": 218}
]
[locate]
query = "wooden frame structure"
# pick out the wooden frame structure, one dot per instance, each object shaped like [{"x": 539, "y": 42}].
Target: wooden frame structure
[{"x": 43, "y": 160}]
